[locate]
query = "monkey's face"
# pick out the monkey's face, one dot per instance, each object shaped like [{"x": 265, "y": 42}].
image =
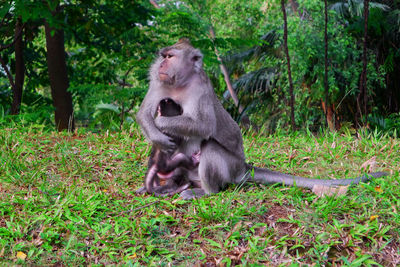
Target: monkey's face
[
  {"x": 176, "y": 66},
  {"x": 170, "y": 65}
]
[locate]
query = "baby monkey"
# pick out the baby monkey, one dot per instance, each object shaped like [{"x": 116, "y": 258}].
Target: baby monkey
[{"x": 168, "y": 166}]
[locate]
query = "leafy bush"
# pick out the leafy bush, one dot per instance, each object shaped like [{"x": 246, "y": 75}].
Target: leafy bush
[{"x": 389, "y": 125}]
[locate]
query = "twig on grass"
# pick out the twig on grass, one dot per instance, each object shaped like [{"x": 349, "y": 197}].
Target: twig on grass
[{"x": 138, "y": 208}]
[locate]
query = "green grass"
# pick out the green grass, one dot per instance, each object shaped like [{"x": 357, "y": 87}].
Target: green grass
[{"x": 70, "y": 199}]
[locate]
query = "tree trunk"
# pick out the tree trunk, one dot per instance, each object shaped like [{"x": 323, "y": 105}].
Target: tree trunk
[
  {"x": 295, "y": 7},
  {"x": 59, "y": 83},
  {"x": 328, "y": 122},
  {"x": 285, "y": 35},
  {"x": 19, "y": 68},
  {"x": 362, "y": 98},
  {"x": 245, "y": 119}
]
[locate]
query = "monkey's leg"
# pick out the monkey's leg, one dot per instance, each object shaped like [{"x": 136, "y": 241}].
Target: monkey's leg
[
  {"x": 192, "y": 193},
  {"x": 168, "y": 188},
  {"x": 217, "y": 168},
  {"x": 172, "y": 191},
  {"x": 141, "y": 190},
  {"x": 179, "y": 189},
  {"x": 151, "y": 179}
]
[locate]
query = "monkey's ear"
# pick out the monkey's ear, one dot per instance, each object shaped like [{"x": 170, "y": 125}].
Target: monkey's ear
[{"x": 197, "y": 58}]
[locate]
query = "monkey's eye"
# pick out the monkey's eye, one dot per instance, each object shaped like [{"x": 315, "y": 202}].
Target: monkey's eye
[{"x": 169, "y": 55}]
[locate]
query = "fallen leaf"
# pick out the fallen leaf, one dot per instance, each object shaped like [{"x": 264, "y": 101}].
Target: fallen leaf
[
  {"x": 323, "y": 190},
  {"x": 21, "y": 255},
  {"x": 373, "y": 217},
  {"x": 131, "y": 257},
  {"x": 166, "y": 213},
  {"x": 378, "y": 189},
  {"x": 292, "y": 155},
  {"x": 369, "y": 165}
]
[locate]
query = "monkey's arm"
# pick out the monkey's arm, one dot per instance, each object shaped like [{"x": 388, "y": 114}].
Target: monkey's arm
[
  {"x": 199, "y": 120},
  {"x": 145, "y": 118},
  {"x": 184, "y": 126}
]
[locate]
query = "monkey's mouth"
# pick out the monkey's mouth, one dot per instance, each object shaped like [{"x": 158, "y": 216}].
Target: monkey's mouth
[
  {"x": 163, "y": 76},
  {"x": 165, "y": 175}
]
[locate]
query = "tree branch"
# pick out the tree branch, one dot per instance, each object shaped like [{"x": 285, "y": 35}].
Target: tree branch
[
  {"x": 10, "y": 77},
  {"x": 2, "y": 47},
  {"x": 245, "y": 118},
  {"x": 154, "y": 3}
]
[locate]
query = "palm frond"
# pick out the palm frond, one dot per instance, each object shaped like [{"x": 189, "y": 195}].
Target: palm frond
[
  {"x": 260, "y": 80},
  {"x": 394, "y": 22},
  {"x": 354, "y": 8},
  {"x": 235, "y": 59}
]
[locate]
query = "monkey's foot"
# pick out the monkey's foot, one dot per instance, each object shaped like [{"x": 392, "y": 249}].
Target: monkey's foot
[
  {"x": 192, "y": 193},
  {"x": 179, "y": 189},
  {"x": 141, "y": 190},
  {"x": 196, "y": 158}
]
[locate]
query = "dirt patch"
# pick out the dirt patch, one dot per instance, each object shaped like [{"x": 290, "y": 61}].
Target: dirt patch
[
  {"x": 389, "y": 255},
  {"x": 275, "y": 213}
]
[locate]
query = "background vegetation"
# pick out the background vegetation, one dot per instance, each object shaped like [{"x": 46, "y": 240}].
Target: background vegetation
[
  {"x": 69, "y": 198},
  {"x": 109, "y": 45}
]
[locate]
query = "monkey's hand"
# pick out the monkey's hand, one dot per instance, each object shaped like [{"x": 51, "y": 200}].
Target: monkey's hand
[
  {"x": 181, "y": 126},
  {"x": 163, "y": 142}
]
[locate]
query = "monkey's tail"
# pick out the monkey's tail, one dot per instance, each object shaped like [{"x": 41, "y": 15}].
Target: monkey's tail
[{"x": 265, "y": 176}]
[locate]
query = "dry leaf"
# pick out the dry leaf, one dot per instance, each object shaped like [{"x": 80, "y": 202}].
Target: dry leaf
[
  {"x": 166, "y": 213},
  {"x": 21, "y": 255},
  {"x": 373, "y": 217},
  {"x": 378, "y": 189},
  {"x": 293, "y": 155},
  {"x": 323, "y": 190},
  {"x": 333, "y": 145},
  {"x": 369, "y": 165},
  {"x": 131, "y": 257}
]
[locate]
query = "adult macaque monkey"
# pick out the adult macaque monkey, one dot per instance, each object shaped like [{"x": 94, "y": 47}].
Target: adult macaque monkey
[{"x": 204, "y": 125}]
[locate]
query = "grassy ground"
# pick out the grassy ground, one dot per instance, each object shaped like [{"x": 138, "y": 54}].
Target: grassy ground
[{"x": 70, "y": 199}]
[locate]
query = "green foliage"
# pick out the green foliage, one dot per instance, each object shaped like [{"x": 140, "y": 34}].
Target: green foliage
[
  {"x": 5, "y": 95},
  {"x": 37, "y": 115},
  {"x": 111, "y": 44},
  {"x": 107, "y": 115},
  {"x": 350, "y": 9},
  {"x": 104, "y": 45},
  {"x": 390, "y": 124}
]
